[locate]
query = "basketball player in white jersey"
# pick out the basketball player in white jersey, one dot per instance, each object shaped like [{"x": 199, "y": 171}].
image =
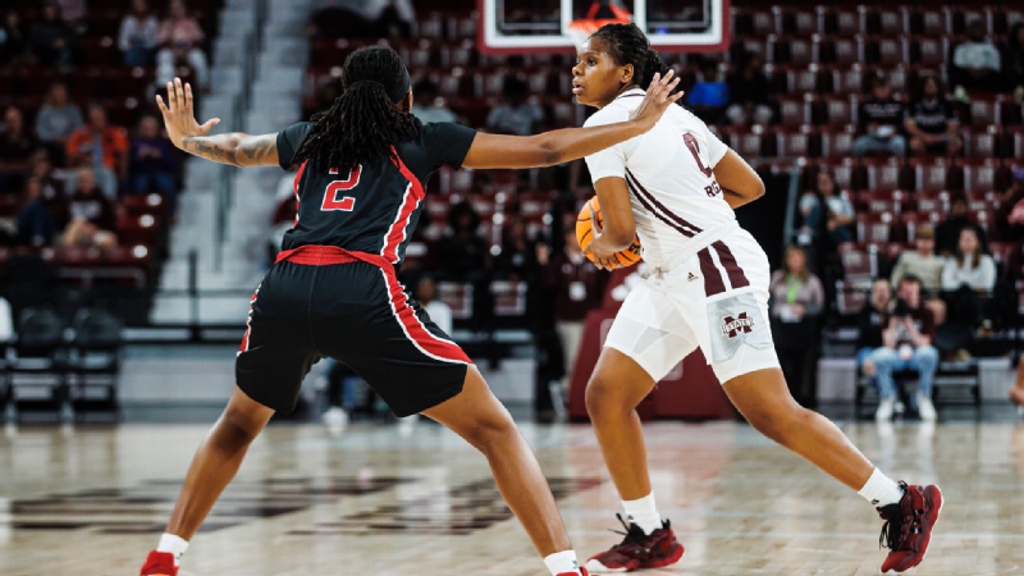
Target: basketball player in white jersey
[{"x": 705, "y": 285}]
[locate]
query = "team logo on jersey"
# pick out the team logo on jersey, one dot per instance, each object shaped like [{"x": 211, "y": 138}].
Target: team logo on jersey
[{"x": 733, "y": 326}]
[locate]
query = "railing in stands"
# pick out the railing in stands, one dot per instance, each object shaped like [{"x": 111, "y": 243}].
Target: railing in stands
[{"x": 252, "y": 47}]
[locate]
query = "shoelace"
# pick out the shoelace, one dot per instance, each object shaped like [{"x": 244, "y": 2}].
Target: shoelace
[
  {"x": 897, "y": 529},
  {"x": 633, "y": 534}
]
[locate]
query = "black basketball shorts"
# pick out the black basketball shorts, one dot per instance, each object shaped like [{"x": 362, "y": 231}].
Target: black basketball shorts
[{"x": 322, "y": 301}]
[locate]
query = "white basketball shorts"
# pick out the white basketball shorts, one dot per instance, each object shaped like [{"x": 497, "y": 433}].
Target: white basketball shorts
[{"x": 716, "y": 300}]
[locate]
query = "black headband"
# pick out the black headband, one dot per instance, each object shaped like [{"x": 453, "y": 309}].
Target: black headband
[{"x": 399, "y": 93}]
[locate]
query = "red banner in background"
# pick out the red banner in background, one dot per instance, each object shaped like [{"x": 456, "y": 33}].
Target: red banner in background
[{"x": 690, "y": 390}]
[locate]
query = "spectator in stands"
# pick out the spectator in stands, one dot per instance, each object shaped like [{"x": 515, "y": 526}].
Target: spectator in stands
[
  {"x": 750, "y": 92},
  {"x": 52, "y": 41},
  {"x": 709, "y": 96},
  {"x": 56, "y": 121},
  {"x": 798, "y": 299},
  {"x": 826, "y": 213},
  {"x": 16, "y": 147},
  {"x": 924, "y": 265},
  {"x": 13, "y": 40},
  {"x": 139, "y": 35},
  {"x": 102, "y": 147},
  {"x": 907, "y": 345},
  {"x": 182, "y": 38},
  {"x": 52, "y": 188},
  {"x": 968, "y": 278},
  {"x": 575, "y": 287},
  {"x": 931, "y": 122},
  {"x": 881, "y": 119},
  {"x": 424, "y": 107},
  {"x": 462, "y": 253},
  {"x": 154, "y": 162},
  {"x": 1009, "y": 219},
  {"x": 35, "y": 225},
  {"x": 977, "y": 63},
  {"x": 947, "y": 234},
  {"x": 1014, "y": 70},
  {"x": 518, "y": 258},
  {"x": 516, "y": 114},
  {"x": 869, "y": 325},
  {"x": 92, "y": 215}
]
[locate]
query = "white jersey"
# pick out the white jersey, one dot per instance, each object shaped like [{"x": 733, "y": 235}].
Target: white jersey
[{"x": 677, "y": 203}]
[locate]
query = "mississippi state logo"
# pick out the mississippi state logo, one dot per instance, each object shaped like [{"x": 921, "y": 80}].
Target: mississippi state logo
[{"x": 733, "y": 326}]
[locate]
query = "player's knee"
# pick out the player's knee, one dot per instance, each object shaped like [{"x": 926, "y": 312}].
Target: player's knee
[
  {"x": 601, "y": 398},
  {"x": 491, "y": 432},
  {"x": 239, "y": 427},
  {"x": 777, "y": 420}
]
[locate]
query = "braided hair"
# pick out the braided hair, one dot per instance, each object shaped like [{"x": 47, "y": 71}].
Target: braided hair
[
  {"x": 627, "y": 44},
  {"x": 363, "y": 124}
]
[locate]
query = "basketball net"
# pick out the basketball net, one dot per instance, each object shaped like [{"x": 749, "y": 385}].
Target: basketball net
[{"x": 579, "y": 30}]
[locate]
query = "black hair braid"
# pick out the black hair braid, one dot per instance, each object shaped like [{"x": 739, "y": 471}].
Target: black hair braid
[
  {"x": 363, "y": 124},
  {"x": 627, "y": 44}
]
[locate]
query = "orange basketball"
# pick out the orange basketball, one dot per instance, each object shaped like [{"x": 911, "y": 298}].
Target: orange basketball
[{"x": 584, "y": 234}]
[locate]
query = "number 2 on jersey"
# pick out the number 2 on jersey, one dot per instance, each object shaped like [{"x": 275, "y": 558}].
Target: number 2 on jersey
[
  {"x": 345, "y": 203},
  {"x": 713, "y": 189}
]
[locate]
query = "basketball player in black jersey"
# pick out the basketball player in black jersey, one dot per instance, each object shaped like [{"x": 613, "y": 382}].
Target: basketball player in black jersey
[{"x": 362, "y": 168}]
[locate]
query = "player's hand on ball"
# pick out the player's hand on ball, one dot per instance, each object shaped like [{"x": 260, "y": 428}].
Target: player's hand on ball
[
  {"x": 603, "y": 259},
  {"x": 659, "y": 97},
  {"x": 179, "y": 117}
]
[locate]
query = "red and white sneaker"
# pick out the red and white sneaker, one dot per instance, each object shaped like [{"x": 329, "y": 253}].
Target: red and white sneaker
[
  {"x": 908, "y": 526},
  {"x": 159, "y": 564},
  {"x": 638, "y": 550}
]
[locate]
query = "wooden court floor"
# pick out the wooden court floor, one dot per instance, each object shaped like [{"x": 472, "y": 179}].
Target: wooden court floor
[{"x": 374, "y": 501}]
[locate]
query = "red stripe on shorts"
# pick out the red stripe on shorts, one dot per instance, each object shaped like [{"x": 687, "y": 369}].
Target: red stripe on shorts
[
  {"x": 433, "y": 346},
  {"x": 736, "y": 276},
  {"x": 713, "y": 282}
]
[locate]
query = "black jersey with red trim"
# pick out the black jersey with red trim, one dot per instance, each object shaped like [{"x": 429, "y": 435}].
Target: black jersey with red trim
[{"x": 369, "y": 209}]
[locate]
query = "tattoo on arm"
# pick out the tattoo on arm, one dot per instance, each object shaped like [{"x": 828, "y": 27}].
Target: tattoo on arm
[
  {"x": 205, "y": 147},
  {"x": 259, "y": 148}
]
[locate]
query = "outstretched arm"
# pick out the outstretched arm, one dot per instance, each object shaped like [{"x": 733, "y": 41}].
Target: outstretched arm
[
  {"x": 235, "y": 148},
  {"x": 557, "y": 146}
]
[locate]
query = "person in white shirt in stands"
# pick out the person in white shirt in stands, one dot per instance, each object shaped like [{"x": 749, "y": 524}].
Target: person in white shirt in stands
[
  {"x": 926, "y": 266},
  {"x": 968, "y": 279},
  {"x": 139, "y": 35},
  {"x": 424, "y": 104},
  {"x": 977, "y": 63}
]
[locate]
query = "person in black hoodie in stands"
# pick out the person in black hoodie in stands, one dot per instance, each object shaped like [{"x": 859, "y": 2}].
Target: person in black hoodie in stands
[{"x": 947, "y": 233}]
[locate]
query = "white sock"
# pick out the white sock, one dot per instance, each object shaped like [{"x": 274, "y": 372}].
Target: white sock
[
  {"x": 173, "y": 544},
  {"x": 562, "y": 562},
  {"x": 880, "y": 490},
  {"x": 643, "y": 513}
]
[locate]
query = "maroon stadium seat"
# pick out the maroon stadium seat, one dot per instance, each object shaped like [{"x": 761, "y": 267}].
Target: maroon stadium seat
[
  {"x": 794, "y": 109},
  {"x": 841, "y": 110},
  {"x": 929, "y": 51},
  {"x": 983, "y": 143},
  {"x": 931, "y": 174},
  {"x": 858, "y": 264},
  {"x": 793, "y": 143},
  {"x": 882, "y": 200},
  {"x": 883, "y": 174},
  {"x": 849, "y": 79},
  {"x": 850, "y": 296},
  {"x": 936, "y": 201},
  {"x": 837, "y": 141},
  {"x": 875, "y": 227},
  {"x": 979, "y": 174},
  {"x": 912, "y": 222}
]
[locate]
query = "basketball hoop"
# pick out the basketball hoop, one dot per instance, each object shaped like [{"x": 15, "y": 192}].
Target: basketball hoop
[
  {"x": 579, "y": 30},
  {"x": 600, "y": 14}
]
